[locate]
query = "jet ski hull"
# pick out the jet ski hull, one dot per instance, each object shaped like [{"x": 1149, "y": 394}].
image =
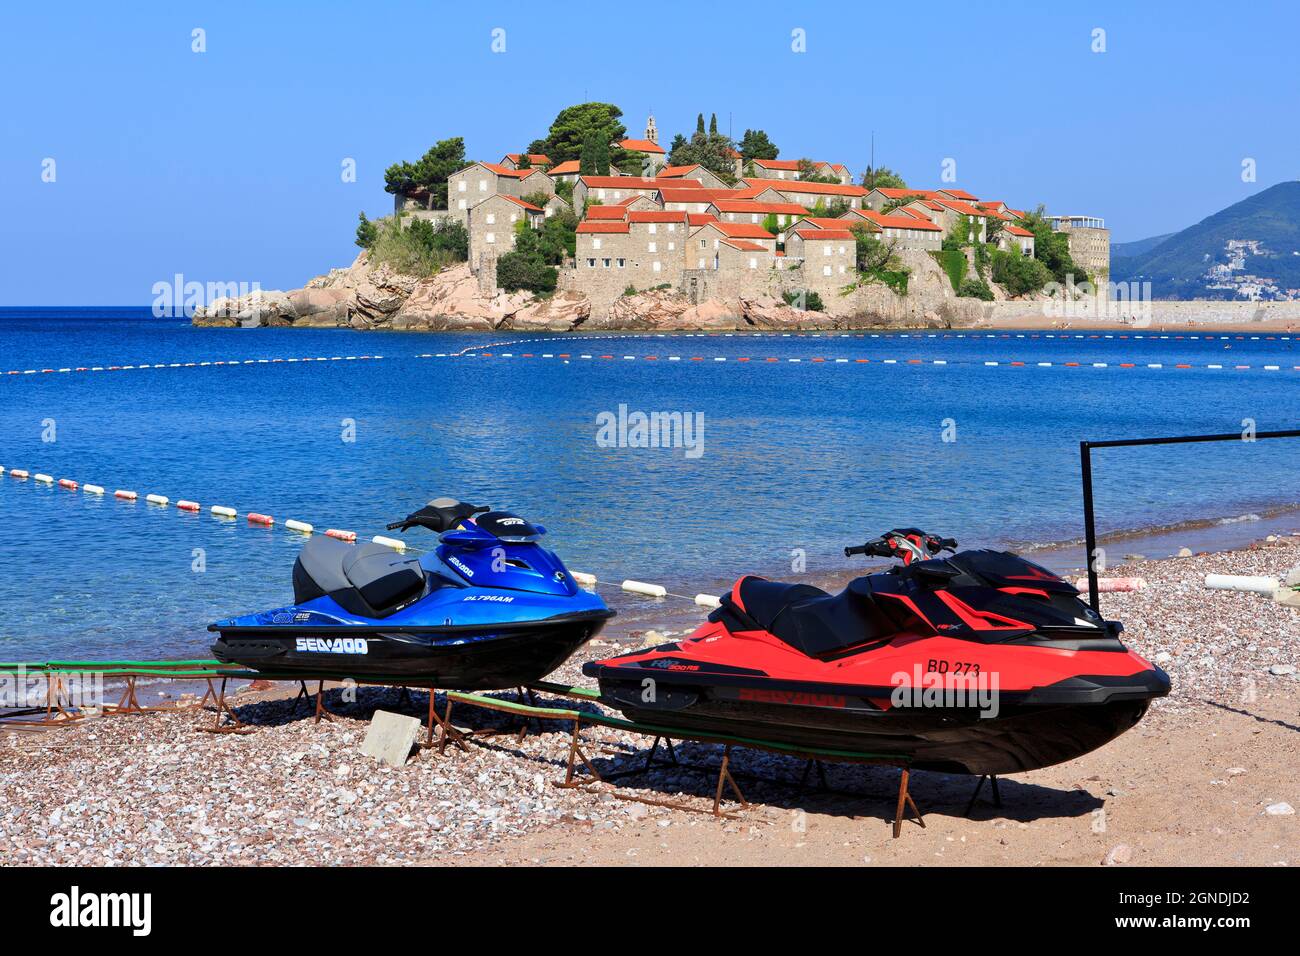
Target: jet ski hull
[
  {"x": 1022, "y": 736},
  {"x": 484, "y": 658}
]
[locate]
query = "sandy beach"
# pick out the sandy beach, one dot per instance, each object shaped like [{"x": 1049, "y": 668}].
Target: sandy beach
[{"x": 1202, "y": 780}]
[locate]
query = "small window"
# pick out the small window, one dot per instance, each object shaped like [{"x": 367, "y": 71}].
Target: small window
[
  {"x": 482, "y": 185},
  {"x": 672, "y": 246},
  {"x": 701, "y": 265},
  {"x": 460, "y": 186},
  {"x": 492, "y": 219},
  {"x": 600, "y": 194},
  {"x": 652, "y": 247},
  {"x": 621, "y": 262},
  {"x": 704, "y": 244},
  {"x": 672, "y": 227},
  {"x": 827, "y": 251},
  {"x": 591, "y": 263},
  {"x": 753, "y": 217},
  {"x": 595, "y": 243},
  {"x": 655, "y": 267},
  {"x": 605, "y": 263},
  {"x": 826, "y": 271},
  {"x": 753, "y": 263},
  {"x": 490, "y": 237},
  {"x": 653, "y": 229}
]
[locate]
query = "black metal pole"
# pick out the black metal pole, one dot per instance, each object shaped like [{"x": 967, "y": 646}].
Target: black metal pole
[{"x": 1089, "y": 524}]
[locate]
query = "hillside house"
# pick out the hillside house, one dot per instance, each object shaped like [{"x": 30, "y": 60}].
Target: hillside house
[{"x": 492, "y": 225}]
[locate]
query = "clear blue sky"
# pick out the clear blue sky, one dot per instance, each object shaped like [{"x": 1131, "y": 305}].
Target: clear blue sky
[{"x": 225, "y": 165}]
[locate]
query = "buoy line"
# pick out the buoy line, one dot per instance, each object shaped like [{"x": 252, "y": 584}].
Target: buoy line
[
  {"x": 199, "y": 364},
  {"x": 307, "y": 529}
]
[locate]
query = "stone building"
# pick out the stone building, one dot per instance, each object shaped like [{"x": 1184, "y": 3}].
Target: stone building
[
  {"x": 704, "y": 247},
  {"x": 513, "y": 160},
  {"x": 774, "y": 169},
  {"x": 905, "y": 232},
  {"x": 1089, "y": 243},
  {"x": 809, "y": 195},
  {"x": 1018, "y": 237},
  {"x": 492, "y": 224},
  {"x": 695, "y": 171},
  {"x": 568, "y": 171},
  {"x": 607, "y": 190},
  {"x": 828, "y": 257},
  {"x": 470, "y": 186},
  {"x": 881, "y": 196}
]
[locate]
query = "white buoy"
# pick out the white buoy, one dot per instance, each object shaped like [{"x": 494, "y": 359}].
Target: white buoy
[
  {"x": 1257, "y": 584},
  {"x": 17, "y": 473},
  {"x": 43, "y": 479},
  {"x": 708, "y": 600},
  {"x": 222, "y": 511},
  {"x": 395, "y": 543},
  {"x": 93, "y": 489},
  {"x": 583, "y": 578},
  {"x": 301, "y": 527},
  {"x": 640, "y": 587},
  {"x": 156, "y": 499}
]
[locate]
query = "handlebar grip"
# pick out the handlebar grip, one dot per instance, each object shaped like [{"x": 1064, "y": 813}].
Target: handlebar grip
[
  {"x": 396, "y": 524},
  {"x": 860, "y": 549}
]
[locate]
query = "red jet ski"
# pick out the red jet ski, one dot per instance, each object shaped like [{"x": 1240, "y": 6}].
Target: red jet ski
[{"x": 979, "y": 662}]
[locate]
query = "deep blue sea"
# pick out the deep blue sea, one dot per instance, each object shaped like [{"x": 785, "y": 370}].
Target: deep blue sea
[{"x": 796, "y": 456}]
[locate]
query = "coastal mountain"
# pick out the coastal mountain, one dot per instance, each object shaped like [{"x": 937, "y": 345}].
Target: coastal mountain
[
  {"x": 1127, "y": 250},
  {"x": 1251, "y": 250}
]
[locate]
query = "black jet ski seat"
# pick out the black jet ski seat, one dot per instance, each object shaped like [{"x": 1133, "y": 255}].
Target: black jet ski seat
[
  {"x": 807, "y": 618},
  {"x": 370, "y": 580}
]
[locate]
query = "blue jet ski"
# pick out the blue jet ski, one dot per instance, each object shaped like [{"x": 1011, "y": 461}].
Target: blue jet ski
[{"x": 489, "y": 608}]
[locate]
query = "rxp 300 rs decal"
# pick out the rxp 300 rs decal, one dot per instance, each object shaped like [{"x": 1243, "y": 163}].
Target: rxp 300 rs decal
[{"x": 332, "y": 645}]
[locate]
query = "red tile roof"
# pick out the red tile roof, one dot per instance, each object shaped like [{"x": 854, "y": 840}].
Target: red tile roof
[
  {"x": 762, "y": 208},
  {"x": 507, "y": 171},
  {"x": 891, "y": 192},
  {"x": 673, "y": 194},
  {"x": 826, "y": 222},
  {"x": 601, "y": 226},
  {"x": 795, "y": 186},
  {"x": 606, "y": 212},
  {"x": 742, "y": 230},
  {"x": 656, "y": 215},
  {"x": 641, "y": 145},
  {"x": 745, "y": 246},
  {"x": 811, "y": 232},
  {"x": 701, "y": 218},
  {"x": 1018, "y": 231},
  {"x": 564, "y": 168},
  {"x": 675, "y": 172},
  {"x": 963, "y": 208},
  {"x": 636, "y": 182},
  {"x": 890, "y": 221},
  {"x": 787, "y": 165},
  {"x": 519, "y": 202},
  {"x": 959, "y": 194},
  {"x": 537, "y": 159}
]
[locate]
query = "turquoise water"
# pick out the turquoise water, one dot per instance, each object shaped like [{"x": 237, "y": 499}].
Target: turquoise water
[{"x": 796, "y": 456}]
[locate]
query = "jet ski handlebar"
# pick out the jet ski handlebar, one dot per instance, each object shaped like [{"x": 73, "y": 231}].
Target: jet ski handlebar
[
  {"x": 906, "y": 544},
  {"x": 439, "y": 515}
]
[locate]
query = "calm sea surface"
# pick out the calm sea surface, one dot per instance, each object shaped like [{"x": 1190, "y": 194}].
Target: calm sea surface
[{"x": 804, "y": 455}]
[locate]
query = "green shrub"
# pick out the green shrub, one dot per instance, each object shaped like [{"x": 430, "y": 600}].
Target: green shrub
[
  {"x": 1019, "y": 274},
  {"x": 517, "y": 270},
  {"x": 954, "y": 263},
  {"x": 811, "y": 301},
  {"x": 630, "y": 290},
  {"x": 975, "y": 288},
  {"x": 367, "y": 232},
  {"x": 421, "y": 249}
]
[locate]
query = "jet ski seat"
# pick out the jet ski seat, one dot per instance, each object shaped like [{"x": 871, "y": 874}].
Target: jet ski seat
[
  {"x": 809, "y": 619},
  {"x": 369, "y": 579}
]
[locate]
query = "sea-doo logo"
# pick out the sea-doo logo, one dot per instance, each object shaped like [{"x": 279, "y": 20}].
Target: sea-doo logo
[
  {"x": 793, "y": 698},
  {"x": 668, "y": 664},
  {"x": 281, "y": 618},
  {"x": 502, "y": 598},
  {"x": 333, "y": 645},
  {"x": 457, "y": 563}
]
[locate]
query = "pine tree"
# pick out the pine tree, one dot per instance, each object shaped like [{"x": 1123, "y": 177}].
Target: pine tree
[
  {"x": 699, "y": 124},
  {"x": 713, "y": 124}
]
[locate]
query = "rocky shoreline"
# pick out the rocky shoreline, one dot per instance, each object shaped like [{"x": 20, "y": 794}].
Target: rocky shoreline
[{"x": 366, "y": 297}]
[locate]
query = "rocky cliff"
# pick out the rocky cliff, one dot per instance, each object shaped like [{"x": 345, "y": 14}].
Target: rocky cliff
[{"x": 367, "y": 297}]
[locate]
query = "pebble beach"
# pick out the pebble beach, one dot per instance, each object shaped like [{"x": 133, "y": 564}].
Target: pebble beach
[{"x": 1207, "y": 777}]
